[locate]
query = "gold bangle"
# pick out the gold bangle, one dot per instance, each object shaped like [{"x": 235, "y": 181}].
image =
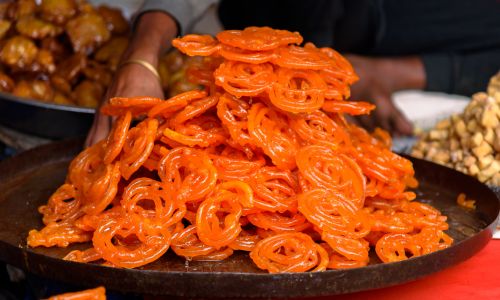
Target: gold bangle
[{"x": 143, "y": 63}]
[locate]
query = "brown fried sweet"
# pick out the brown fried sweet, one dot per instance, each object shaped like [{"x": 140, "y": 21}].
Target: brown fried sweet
[
  {"x": 19, "y": 52},
  {"x": 180, "y": 86},
  {"x": 42, "y": 90},
  {"x": 4, "y": 27},
  {"x": 20, "y": 8},
  {"x": 68, "y": 72},
  {"x": 44, "y": 62},
  {"x": 35, "y": 28},
  {"x": 98, "y": 72},
  {"x": 22, "y": 89},
  {"x": 172, "y": 69},
  {"x": 87, "y": 32},
  {"x": 57, "y": 11},
  {"x": 84, "y": 7},
  {"x": 71, "y": 67},
  {"x": 88, "y": 93},
  {"x": 111, "y": 52},
  {"x": 4, "y": 7},
  {"x": 58, "y": 48},
  {"x": 36, "y": 89},
  {"x": 61, "y": 98},
  {"x": 6, "y": 83},
  {"x": 114, "y": 19},
  {"x": 61, "y": 84}
]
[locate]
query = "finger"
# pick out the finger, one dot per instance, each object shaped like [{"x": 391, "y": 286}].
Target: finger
[
  {"x": 386, "y": 114},
  {"x": 382, "y": 120},
  {"x": 380, "y": 116},
  {"x": 401, "y": 124},
  {"x": 352, "y": 120},
  {"x": 367, "y": 122},
  {"x": 100, "y": 129},
  {"x": 398, "y": 122},
  {"x": 89, "y": 140}
]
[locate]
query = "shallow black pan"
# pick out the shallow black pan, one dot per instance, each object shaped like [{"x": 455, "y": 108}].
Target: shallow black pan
[
  {"x": 26, "y": 181},
  {"x": 43, "y": 119}
]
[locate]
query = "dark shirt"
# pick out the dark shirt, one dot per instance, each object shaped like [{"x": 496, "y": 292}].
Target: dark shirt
[{"x": 458, "y": 40}]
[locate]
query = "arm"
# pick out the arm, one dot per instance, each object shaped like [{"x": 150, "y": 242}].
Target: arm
[
  {"x": 157, "y": 23},
  {"x": 152, "y": 36},
  {"x": 153, "y": 32},
  {"x": 454, "y": 73},
  {"x": 379, "y": 79}
]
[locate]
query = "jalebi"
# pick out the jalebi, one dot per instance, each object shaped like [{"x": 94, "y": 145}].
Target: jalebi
[
  {"x": 98, "y": 293},
  {"x": 261, "y": 160}
]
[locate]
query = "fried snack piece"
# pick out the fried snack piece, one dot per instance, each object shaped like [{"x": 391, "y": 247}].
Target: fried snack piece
[
  {"x": 61, "y": 84},
  {"x": 176, "y": 70},
  {"x": 42, "y": 90},
  {"x": 44, "y": 62},
  {"x": 88, "y": 93},
  {"x": 60, "y": 98},
  {"x": 114, "y": 19},
  {"x": 112, "y": 51},
  {"x": 57, "y": 11},
  {"x": 42, "y": 65},
  {"x": 84, "y": 7},
  {"x": 87, "y": 32},
  {"x": 98, "y": 73},
  {"x": 4, "y": 7},
  {"x": 6, "y": 83},
  {"x": 59, "y": 50},
  {"x": 20, "y": 8},
  {"x": 68, "y": 71},
  {"x": 4, "y": 27},
  {"x": 19, "y": 52},
  {"x": 464, "y": 202},
  {"x": 35, "y": 28},
  {"x": 37, "y": 89}
]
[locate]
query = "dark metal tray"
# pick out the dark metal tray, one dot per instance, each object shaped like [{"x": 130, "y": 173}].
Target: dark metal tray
[
  {"x": 26, "y": 181},
  {"x": 44, "y": 119}
]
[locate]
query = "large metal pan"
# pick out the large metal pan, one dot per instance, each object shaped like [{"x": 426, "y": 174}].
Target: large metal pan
[
  {"x": 44, "y": 119},
  {"x": 26, "y": 181}
]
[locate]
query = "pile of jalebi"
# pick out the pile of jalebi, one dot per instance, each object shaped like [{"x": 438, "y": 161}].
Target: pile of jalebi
[{"x": 260, "y": 160}]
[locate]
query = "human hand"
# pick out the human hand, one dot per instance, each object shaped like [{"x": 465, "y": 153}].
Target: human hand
[
  {"x": 151, "y": 38},
  {"x": 379, "y": 79},
  {"x": 130, "y": 80}
]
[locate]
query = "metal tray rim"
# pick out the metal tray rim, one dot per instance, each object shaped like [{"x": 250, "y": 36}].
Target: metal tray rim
[
  {"x": 38, "y": 263},
  {"x": 37, "y": 103}
]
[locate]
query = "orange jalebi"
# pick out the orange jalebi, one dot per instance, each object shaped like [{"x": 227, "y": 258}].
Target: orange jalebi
[
  {"x": 269, "y": 130},
  {"x": 289, "y": 252},
  {"x": 123, "y": 243},
  {"x": 259, "y": 38},
  {"x": 242, "y": 79},
  {"x": 193, "y": 44},
  {"x": 223, "y": 203},
  {"x": 273, "y": 189},
  {"x": 98, "y": 293},
  {"x": 261, "y": 160},
  {"x": 298, "y": 91}
]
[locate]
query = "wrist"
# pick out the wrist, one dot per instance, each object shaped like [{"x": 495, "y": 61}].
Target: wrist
[
  {"x": 147, "y": 55},
  {"x": 151, "y": 38}
]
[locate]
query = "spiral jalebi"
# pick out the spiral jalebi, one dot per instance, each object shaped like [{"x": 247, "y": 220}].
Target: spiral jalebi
[{"x": 261, "y": 160}]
